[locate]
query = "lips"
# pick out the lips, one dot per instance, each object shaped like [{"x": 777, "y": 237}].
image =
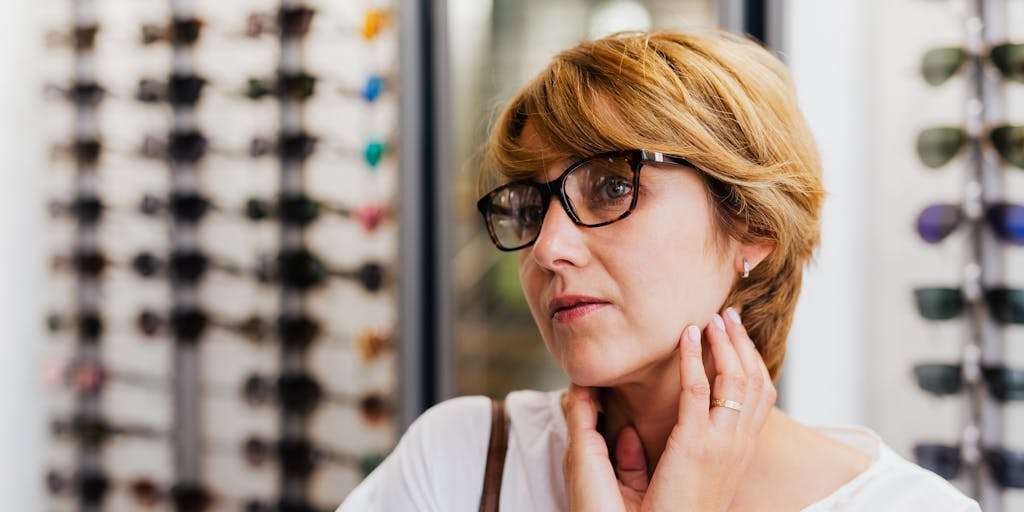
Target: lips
[{"x": 563, "y": 302}]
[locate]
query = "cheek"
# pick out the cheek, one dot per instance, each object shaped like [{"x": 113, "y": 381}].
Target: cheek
[{"x": 529, "y": 280}]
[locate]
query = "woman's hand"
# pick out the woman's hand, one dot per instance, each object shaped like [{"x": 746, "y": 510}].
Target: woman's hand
[{"x": 707, "y": 451}]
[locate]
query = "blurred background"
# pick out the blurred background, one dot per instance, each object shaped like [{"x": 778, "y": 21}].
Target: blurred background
[{"x": 240, "y": 250}]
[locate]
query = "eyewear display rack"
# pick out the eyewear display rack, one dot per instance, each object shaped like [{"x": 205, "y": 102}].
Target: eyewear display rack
[
  {"x": 270, "y": 261},
  {"x": 980, "y": 456}
]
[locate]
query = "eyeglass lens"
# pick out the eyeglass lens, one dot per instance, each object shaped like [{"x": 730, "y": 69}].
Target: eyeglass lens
[{"x": 597, "y": 190}]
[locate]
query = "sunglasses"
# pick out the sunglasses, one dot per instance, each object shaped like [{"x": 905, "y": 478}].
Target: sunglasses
[
  {"x": 187, "y": 207},
  {"x": 92, "y": 486},
  {"x": 179, "y": 90},
  {"x": 93, "y": 432},
  {"x": 81, "y": 93},
  {"x": 937, "y": 146},
  {"x": 302, "y": 210},
  {"x": 189, "y": 325},
  {"x": 300, "y": 393},
  {"x": 180, "y": 32},
  {"x": 291, "y": 22},
  {"x": 938, "y": 221},
  {"x": 81, "y": 37},
  {"x": 187, "y": 266},
  {"x": 180, "y": 146},
  {"x": 88, "y": 376},
  {"x": 88, "y": 325},
  {"x": 290, "y": 146},
  {"x": 297, "y": 86},
  {"x": 1006, "y": 466},
  {"x": 1004, "y": 384},
  {"x": 87, "y": 209},
  {"x": 302, "y": 270},
  {"x": 1006, "y": 305},
  {"x": 595, "y": 191},
  {"x": 299, "y": 456},
  {"x": 940, "y": 64}
]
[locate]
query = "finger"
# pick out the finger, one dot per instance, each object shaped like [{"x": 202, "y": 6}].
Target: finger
[
  {"x": 760, "y": 397},
  {"x": 586, "y": 467},
  {"x": 751, "y": 361},
  {"x": 630, "y": 460},
  {"x": 581, "y": 409},
  {"x": 695, "y": 390},
  {"x": 730, "y": 379}
]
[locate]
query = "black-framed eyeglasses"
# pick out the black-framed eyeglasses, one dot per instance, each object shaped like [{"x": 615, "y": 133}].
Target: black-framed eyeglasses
[{"x": 595, "y": 191}]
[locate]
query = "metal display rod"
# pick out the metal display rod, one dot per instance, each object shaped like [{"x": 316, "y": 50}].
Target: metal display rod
[{"x": 984, "y": 24}]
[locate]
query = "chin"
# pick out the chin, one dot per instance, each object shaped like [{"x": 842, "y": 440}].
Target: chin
[{"x": 593, "y": 370}]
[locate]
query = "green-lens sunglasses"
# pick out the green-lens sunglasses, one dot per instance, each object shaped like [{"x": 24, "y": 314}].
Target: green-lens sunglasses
[
  {"x": 939, "y": 64},
  {"x": 1005, "y": 304},
  {"x": 937, "y": 146}
]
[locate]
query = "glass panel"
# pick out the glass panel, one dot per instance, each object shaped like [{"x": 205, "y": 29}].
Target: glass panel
[{"x": 496, "y": 47}]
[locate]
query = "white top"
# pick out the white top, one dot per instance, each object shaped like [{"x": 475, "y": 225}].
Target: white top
[{"x": 438, "y": 465}]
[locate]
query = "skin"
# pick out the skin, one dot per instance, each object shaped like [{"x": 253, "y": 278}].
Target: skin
[{"x": 659, "y": 274}]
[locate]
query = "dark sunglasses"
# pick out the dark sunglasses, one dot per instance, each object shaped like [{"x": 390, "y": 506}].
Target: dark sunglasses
[
  {"x": 299, "y": 456},
  {"x": 300, "y": 393},
  {"x": 179, "y": 90},
  {"x": 188, "y": 325},
  {"x": 88, "y": 325},
  {"x": 180, "y": 146},
  {"x": 303, "y": 270},
  {"x": 302, "y": 210},
  {"x": 91, "y": 487},
  {"x": 1004, "y": 384},
  {"x": 937, "y": 146},
  {"x": 939, "y": 64},
  {"x": 1006, "y": 305},
  {"x": 290, "y": 21},
  {"x": 1006, "y": 466},
  {"x": 94, "y": 431},
  {"x": 87, "y": 209},
  {"x": 289, "y": 146},
  {"x": 595, "y": 191},
  {"x": 183, "y": 206},
  {"x": 938, "y": 221},
  {"x": 297, "y": 86},
  {"x": 187, "y": 266},
  {"x": 181, "y": 31}
]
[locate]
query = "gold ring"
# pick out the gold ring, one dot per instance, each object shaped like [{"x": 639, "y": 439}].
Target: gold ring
[{"x": 736, "y": 406}]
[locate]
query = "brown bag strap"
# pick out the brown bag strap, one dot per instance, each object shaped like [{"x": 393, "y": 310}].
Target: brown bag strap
[{"x": 495, "y": 457}]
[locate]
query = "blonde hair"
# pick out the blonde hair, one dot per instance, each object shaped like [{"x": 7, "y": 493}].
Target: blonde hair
[{"x": 716, "y": 99}]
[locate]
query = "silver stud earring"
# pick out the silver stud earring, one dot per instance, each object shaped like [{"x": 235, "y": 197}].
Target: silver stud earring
[{"x": 746, "y": 268}]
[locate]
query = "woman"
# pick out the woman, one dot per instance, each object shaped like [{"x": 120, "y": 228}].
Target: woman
[{"x": 663, "y": 193}]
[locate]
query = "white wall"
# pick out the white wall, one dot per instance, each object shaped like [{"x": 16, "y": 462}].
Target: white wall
[
  {"x": 824, "y": 378},
  {"x": 22, "y": 263}
]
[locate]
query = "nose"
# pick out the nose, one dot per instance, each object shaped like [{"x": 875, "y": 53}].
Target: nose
[{"x": 560, "y": 241}]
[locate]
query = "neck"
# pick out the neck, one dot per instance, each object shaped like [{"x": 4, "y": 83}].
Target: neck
[{"x": 651, "y": 405}]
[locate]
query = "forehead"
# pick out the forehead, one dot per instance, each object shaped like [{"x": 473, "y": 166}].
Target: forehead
[{"x": 552, "y": 162}]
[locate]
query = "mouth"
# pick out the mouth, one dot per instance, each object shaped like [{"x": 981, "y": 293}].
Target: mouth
[{"x": 567, "y": 308}]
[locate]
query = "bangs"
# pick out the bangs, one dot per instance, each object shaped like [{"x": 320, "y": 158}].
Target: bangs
[{"x": 566, "y": 113}]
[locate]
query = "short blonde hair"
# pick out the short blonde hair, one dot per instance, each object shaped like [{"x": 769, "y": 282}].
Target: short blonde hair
[{"x": 720, "y": 101}]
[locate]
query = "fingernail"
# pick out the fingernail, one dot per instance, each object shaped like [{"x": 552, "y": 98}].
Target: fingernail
[
  {"x": 718, "y": 322},
  {"x": 732, "y": 314},
  {"x": 693, "y": 335}
]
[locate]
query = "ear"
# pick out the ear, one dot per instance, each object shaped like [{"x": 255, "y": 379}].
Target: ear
[{"x": 753, "y": 253}]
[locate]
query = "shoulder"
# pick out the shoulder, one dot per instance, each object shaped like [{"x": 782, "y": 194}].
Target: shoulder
[
  {"x": 437, "y": 464},
  {"x": 890, "y": 482},
  {"x": 909, "y": 485}
]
